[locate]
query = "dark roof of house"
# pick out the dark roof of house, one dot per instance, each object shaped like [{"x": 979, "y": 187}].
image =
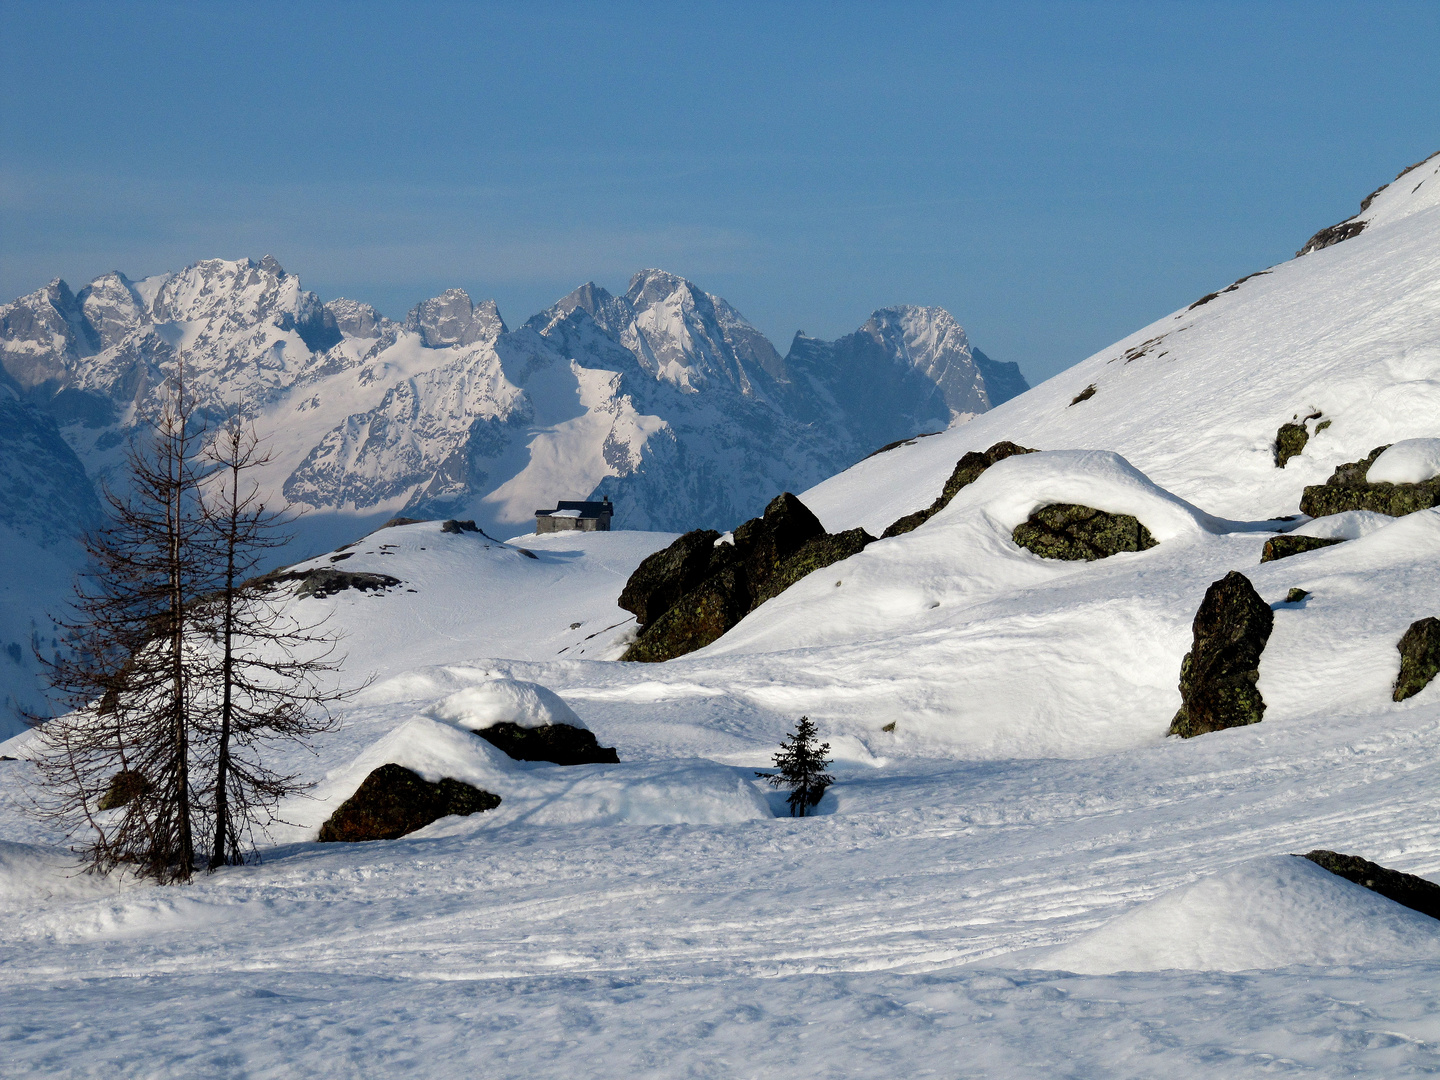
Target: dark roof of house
[{"x": 586, "y": 509}]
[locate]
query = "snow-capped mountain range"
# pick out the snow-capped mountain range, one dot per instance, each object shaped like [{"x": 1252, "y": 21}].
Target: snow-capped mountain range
[{"x": 664, "y": 399}]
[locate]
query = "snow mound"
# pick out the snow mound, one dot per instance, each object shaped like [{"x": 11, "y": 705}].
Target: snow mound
[
  {"x": 506, "y": 701},
  {"x": 1270, "y": 912},
  {"x": 1350, "y": 525},
  {"x": 1011, "y": 490},
  {"x": 1409, "y": 461},
  {"x": 639, "y": 793}
]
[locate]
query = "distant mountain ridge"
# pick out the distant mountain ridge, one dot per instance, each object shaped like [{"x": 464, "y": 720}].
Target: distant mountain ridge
[{"x": 665, "y": 399}]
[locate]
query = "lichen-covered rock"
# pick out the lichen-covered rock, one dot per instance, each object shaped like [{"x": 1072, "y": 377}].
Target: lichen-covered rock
[
  {"x": 126, "y": 786},
  {"x": 665, "y": 576},
  {"x": 1348, "y": 489},
  {"x": 1282, "y": 547},
  {"x": 696, "y": 619},
  {"x": 393, "y": 801},
  {"x": 1069, "y": 531},
  {"x": 1419, "y": 657},
  {"x": 1416, "y": 893},
  {"x": 967, "y": 470},
  {"x": 763, "y": 543},
  {"x": 562, "y": 744},
  {"x": 817, "y": 553},
  {"x": 1290, "y": 440},
  {"x": 1219, "y": 674}
]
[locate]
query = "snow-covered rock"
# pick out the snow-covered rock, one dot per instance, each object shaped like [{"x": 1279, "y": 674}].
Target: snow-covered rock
[
  {"x": 506, "y": 701},
  {"x": 1409, "y": 461}
]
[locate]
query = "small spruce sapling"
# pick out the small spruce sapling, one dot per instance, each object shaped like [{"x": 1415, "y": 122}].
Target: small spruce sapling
[{"x": 802, "y": 767}]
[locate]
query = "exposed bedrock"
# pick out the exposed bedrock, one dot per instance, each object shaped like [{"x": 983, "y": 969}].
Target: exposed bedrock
[
  {"x": 1419, "y": 657},
  {"x": 1070, "y": 531},
  {"x": 1282, "y": 547},
  {"x": 1219, "y": 674},
  {"x": 393, "y": 801},
  {"x": 696, "y": 589},
  {"x": 967, "y": 470},
  {"x": 1347, "y": 489},
  {"x": 562, "y": 744},
  {"x": 326, "y": 581},
  {"x": 1416, "y": 893}
]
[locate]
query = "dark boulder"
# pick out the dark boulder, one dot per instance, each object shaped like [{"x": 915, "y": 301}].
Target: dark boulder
[
  {"x": 1219, "y": 674},
  {"x": 453, "y": 526},
  {"x": 667, "y": 575},
  {"x": 126, "y": 786},
  {"x": 1290, "y": 440},
  {"x": 817, "y": 553},
  {"x": 1282, "y": 547},
  {"x": 763, "y": 543},
  {"x": 967, "y": 470},
  {"x": 393, "y": 801},
  {"x": 1347, "y": 489},
  {"x": 1068, "y": 531},
  {"x": 732, "y": 579},
  {"x": 1413, "y": 892},
  {"x": 1419, "y": 657},
  {"x": 696, "y": 619},
  {"x": 562, "y": 744},
  {"x": 1089, "y": 391}
]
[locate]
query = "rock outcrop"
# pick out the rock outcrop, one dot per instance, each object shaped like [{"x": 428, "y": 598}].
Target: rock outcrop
[
  {"x": 662, "y": 578},
  {"x": 1419, "y": 657},
  {"x": 967, "y": 471},
  {"x": 562, "y": 744},
  {"x": 1348, "y": 489},
  {"x": 698, "y": 588},
  {"x": 1069, "y": 531},
  {"x": 1219, "y": 674},
  {"x": 1282, "y": 547},
  {"x": 1415, "y": 893},
  {"x": 324, "y": 581},
  {"x": 393, "y": 801}
]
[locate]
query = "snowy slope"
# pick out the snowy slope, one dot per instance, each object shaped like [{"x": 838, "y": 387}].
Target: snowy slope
[
  {"x": 1194, "y": 400},
  {"x": 1025, "y": 818}
]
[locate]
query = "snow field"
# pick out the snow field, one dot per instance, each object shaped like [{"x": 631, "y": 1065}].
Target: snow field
[{"x": 1026, "y": 811}]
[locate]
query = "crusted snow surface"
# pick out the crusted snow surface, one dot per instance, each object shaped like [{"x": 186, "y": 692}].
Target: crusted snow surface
[{"x": 1409, "y": 461}]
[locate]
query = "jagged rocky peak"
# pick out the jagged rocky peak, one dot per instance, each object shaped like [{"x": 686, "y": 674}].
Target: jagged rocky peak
[
  {"x": 694, "y": 339},
  {"x": 231, "y": 293},
  {"x": 112, "y": 306},
  {"x": 451, "y": 319},
  {"x": 914, "y": 362},
  {"x": 39, "y": 333},
  {"x": 356, "y": 319}
]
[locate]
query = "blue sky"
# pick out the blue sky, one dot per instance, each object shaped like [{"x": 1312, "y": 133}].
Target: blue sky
[{"x": 1055, "y": 174}]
